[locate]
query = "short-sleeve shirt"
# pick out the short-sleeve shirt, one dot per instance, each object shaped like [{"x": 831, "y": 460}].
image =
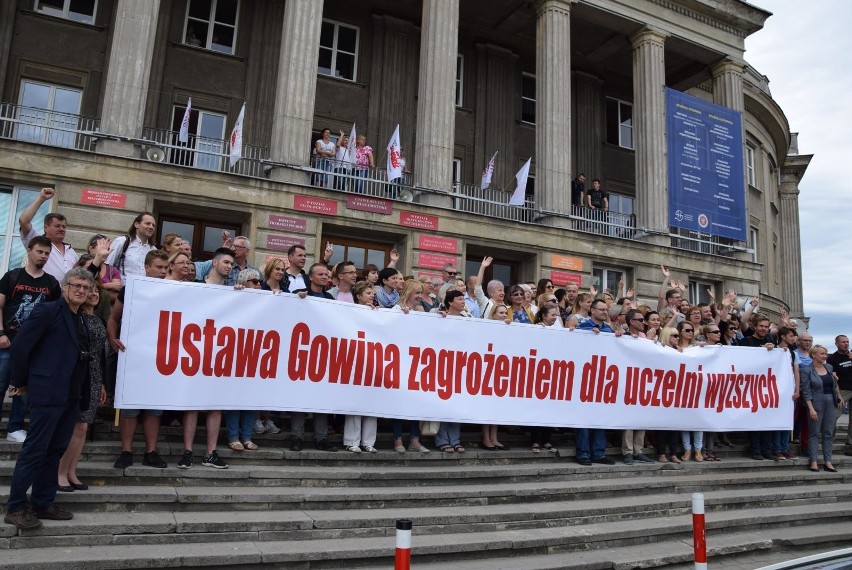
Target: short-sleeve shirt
[
  {"x": 23, "y": 292},
  {"x": 597, "y": 197},
  {"x": 362, "y": 155},
  {"x": 59, "y": 263},
  {"x": 842, "y": 364},
  {"x": 134, "y": 258}
]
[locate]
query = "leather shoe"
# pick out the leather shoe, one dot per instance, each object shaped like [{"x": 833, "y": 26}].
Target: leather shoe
[
  {"x": 830, "y": 469},
  {"x": 604, "y": 461},
  {"x": 54, "y": 513},
  {"x": 324, "y": 445},
  {"x": 584, "y": 461},
  {"x": 79, "y": 486},
  {"x": 65, "y": 488},
  {"x": 23, "y": 519},
  {"x": 298, "y": 444}
]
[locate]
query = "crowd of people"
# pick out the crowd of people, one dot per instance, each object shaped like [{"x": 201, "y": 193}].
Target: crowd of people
[{"x": 71, "y": 305}]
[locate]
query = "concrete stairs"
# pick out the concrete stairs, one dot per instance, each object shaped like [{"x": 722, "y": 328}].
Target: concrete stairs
[{"x": 478, "y": 510}]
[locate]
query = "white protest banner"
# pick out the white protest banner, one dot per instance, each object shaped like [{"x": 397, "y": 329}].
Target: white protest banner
[{"x": 202, "y": 347}]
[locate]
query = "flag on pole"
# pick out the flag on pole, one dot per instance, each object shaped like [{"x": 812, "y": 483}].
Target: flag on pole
[
  {"x": 394, "y": 157},
  {"x": 350, "y": 147},
  {"x": 488, "y": 173},
  {"x": 237, "y": 138},
  {"x": 519, "y": 197},
  {"x": 184, "y": 123}
]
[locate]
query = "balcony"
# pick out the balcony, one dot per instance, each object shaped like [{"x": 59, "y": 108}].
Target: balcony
[
  {"x": 40, "y": 126},
  {"x": 203, "y": 153}
]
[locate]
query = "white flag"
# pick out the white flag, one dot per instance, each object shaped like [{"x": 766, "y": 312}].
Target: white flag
[
  {"x": 394, "y": 157},
  {"x": 488, "y": 173},
  {"x": 184, "y": 123},
  {"x": 350, "y": 147},
  {"x": 237, "y": 138},
  {"x": 519, "y": 197}
]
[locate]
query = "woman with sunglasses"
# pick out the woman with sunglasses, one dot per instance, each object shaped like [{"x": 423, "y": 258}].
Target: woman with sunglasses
[
  {"x": 687, "y": 329},
  {"x": 543, "y": 287},
  {"x": 666, "y": 440},
  {"x": 517, "y": 312}
]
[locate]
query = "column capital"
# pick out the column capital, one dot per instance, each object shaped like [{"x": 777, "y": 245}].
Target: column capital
[
  {"x": 728, "y": 65},
  {"x": 561, "y": 5},
  {"x": 648, "y": 35}
]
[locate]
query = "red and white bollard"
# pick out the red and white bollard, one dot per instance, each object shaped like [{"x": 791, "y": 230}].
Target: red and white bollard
[
  {"x": 403, "y": 544},
  {"x": 699, "y": 535}
]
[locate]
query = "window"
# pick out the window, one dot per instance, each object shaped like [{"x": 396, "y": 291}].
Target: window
[
  {"x": 750, "y": 165},
  {"x": 75, "y": 10},
  {"x": 361, "y": 253},
  {"x": 49, "y": 114},
  {"x": 752, "y": 243},
  {"x": 621, "y": 204},
  {"x": 457, "y": 173},
  {"x": 528, "y": 98},
  {"x": 338, "y": 51},
  {"x": 503, "y": 270},
  {"x": 698, "y": 292},
  {"x": 459, "y": 82},
  {"x": 204, "y": 236},
  {"x": 619, "y": 123},
  {"x": 605, "y": 278},
  {"x": 206, "y": 138},
  {"x": 212, "y": 24},
  {"x": 13, "y": 201}
]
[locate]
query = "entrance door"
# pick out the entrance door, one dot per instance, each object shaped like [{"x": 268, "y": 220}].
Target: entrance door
[
  {"x": 204, "y": 236},
  {"x": 359, "y": 252}
]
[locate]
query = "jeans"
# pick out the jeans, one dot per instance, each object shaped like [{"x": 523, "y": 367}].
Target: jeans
[
  {"x": 415, "y": 429},
  {"x": 697, "y": 437},
  {"x": 19, "y": 403},
  {"x": 761, "y": 442},
  {"x": 239, "y": 424},
  {"x": 591, "y": 441},
  {"x": 780, "y": 441},
  {"x": 822, "y": 429},
  {"x": 449, "y": 434}
]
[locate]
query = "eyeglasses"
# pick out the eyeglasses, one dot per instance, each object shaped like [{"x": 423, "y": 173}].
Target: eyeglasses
[
  {"x": 80, "y": 286},
  {"x": 638, "y": 320},
  {"x": 687, "y": 331},
  {"x": 548, "y": 286},
  {"x": 255, "y": 281},
  {"x": 517, "y": 294},
  {"x": 714, "y": 332},
  {"x": 240, "y": 247},
  {"x": 674, "y": 336},
  {"x": 453, "y": 273}
]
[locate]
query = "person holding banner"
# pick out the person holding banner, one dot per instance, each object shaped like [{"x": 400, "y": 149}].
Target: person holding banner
[
  {"x": 387, "y": 293},
  {"x": 359, "y": 432},
  {"x": 517, "y": 312},
  {"x": 822, "y": 397},
  {"x": 665, "y": 442},
  {"x": 580, "y": 310}
]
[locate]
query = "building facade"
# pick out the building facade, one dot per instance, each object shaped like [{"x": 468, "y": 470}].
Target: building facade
[{"x": 94, "y": 91}]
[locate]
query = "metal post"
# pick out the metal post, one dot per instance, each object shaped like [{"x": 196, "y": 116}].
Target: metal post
[
  {"x": 403, "y": 544},
  {"x": 699, "y": 536}
]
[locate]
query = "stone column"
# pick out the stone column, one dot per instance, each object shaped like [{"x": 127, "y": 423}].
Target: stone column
[
  {"x": 553, "y": 108},
  {"x": 791, "y": 245},
  {"x": 588, "y": 128},
  {"x": 728, "y": 84},
  {"x": 296, "y": 88},
  {"x": 649, "y": 133},
  {"x": 436, "y": 113},
  {"x": 128, "y": 73},
  {"x": 496, "y": 102}
]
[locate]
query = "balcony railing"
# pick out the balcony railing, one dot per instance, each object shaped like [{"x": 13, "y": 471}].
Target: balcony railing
[
  {"x": 40, "y": 126},
  {"x": 704, "y": 243},
  {"x": 206, "y": 153},
  {"x": 612, "y": 224},
  {"x": 492, "y": 202},
  {"x": 344, "y": 177}
]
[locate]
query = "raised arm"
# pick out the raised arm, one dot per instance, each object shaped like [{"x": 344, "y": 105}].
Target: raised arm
[{"x": 26, "y": 219}]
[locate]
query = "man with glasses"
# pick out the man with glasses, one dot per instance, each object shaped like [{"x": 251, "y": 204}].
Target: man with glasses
[
  {"x": 449, "y": 272},
  {"x": 21, "y": 290},
  {"x": 347, "y": 276},
  {"x": 50, "y": 362},
  {"x": 633, "y": 440},
  {"x": 800, "y": 425},
  {"x": 241, "y": 247},
  {"x": 591, "y": 443}
]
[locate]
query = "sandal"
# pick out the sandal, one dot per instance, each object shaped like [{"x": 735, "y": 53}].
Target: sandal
[
  {"x": 663, "y": 459},
  {"x": 447, "y": 449},
  {"x": 236, "y": 446},
  {"x": 459, "y": 448},
  {"x": 535, "y": 448},
  {"x": 250, "y": 445}
]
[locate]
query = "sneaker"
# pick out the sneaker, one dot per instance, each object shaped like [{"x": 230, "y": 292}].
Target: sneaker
[
  {"x": 369, "y": 449},
  {"x": 186, "y": 461},
  {"x": 779, "y": 456},
  {"x": 17, "y": 436},
  {"x": 271, "y": 427},
  {"x": 353, "y": 449},
  {"x": 604, "y": 461},
  {"x": 324, "y": 445},
  {"x": 23, "y": 519},
  {"x": 54, "y": 513},
  {"x": 259, "y": 428},
  {"x": 628, "y": 459},
  {"x": 642, "y": 458},
  {"x": 124, "y": 460},
  {"x": 213, "y": 460},
  {"x": 153, "y": 459}
]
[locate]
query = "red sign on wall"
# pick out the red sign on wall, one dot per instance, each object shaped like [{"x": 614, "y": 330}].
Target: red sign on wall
[
  {"x": 434, "y": 243},
  {"x": 103, "y": 198},
  {"x": 368, "y": 204},
  {"x": 287, "y": 223},
  {"x": 434, "y": 261},
  {"x": 564, "y": 278},
  {"x": 283, "y": 242},
  {"x": 315, "y": 205},
  {"x": 420, "y": 221}
]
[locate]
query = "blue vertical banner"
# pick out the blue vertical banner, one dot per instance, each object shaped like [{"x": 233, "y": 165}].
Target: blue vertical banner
[{"x": 705, "y": 156}]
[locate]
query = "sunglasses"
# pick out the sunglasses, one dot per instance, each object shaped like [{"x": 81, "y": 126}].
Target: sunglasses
[
  {"x": 687, "y": 331},
  {"x": 674, "y": 336},
  {"x": 714, "y": 332},
  {"x": 639, "y": 320},
  {"x": 255, "y": 281},
  {"x": 452, "y": 272}
]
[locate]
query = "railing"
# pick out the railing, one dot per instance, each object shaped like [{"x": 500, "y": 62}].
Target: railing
[
  {"x": 344, "y": 177},
  {"x": 491, "y": 202},
  {"x": 703, "y": 243},
  {"x": 206, "y": 153},
  {"x": 603, "y": 223},
  {"x": 40, "y": 126}
]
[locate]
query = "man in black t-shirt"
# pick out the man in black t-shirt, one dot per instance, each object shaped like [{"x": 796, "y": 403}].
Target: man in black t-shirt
[
  {"x": 761, "y": 441},
  {"x": 841, "y": 361},
  {"x": 20, "y": 291},
  {"x": 578, "y": 190}
]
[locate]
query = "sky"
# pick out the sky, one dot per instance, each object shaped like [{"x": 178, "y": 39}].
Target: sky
[{"x": 805, "y": 49}]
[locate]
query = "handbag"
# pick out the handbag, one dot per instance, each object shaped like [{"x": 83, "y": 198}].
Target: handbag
[{"x": 429, "y": 427}]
